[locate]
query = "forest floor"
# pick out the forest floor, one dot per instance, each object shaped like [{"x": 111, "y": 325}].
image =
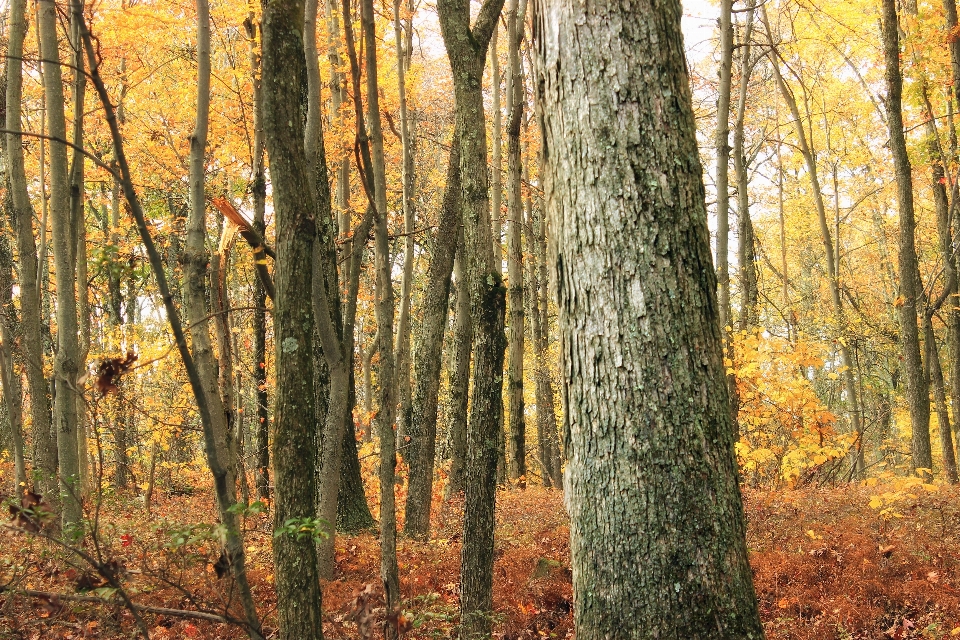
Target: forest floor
[{"x": 854, "y": 562}]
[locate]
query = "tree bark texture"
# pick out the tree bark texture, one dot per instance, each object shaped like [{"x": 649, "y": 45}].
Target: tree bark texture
[
  {"x": 651, "y": 476},
  {"x": 44, "y": 440},
  {"x": 467, "y": 51},
  {"x": 294, "y": 441},
  {"x": 916, "y": 383}
]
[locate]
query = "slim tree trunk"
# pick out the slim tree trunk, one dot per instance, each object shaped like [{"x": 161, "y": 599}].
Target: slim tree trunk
[
  {"x": 467, "y": 51},
  {"x": 916, "y": 383},
  {"x": 294, "y": 441},
  {"x": 428, "y": 349},
  {"x": 934, "y": 374},
  {"x": 723, "y": 163},
  {"x": 746, "y": 253},
  {"x": 516, "y": 16},
  {"x": 624, "y": 192},
  {"x": 402, "y": 351},
  {"x": 67, "y": 363},
  {"x": 259, "y": 189},
  {"x": 9, "y": 376},
  {"x": 460, "y": 352},
  {"x": 233, "y": 542},
  {"x": 384, "y": 307}
]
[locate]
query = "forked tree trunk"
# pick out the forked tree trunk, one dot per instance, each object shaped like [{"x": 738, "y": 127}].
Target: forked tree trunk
[
  {"x": 624, "y": 194},
  {"x": 467, "y": 51}
]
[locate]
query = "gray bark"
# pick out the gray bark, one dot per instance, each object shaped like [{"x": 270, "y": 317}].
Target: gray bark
[
  {"x": 467, "y": 51},
  {"x": 645, "y": 396},
  {"x": 294, "y": 441},
  {"x": 917, "y": 388},
  {"x": 516, "y": 16},
  {"x": 428, "y": 348},
  {"x": 67, "y": 363}
]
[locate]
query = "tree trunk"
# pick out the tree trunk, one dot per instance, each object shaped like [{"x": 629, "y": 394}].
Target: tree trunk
[
  {"x": 467, "y": 52},
  {"x": 459, "y": 366},
  {"x": 259, "y": 191},
  {"x": 9, "y": 332},
  {"x": 67, "y": 363},
  {"x": 722, "y": 145},
  {"x": 407, "y": 123},
  {"x": 917, "y": 392},
  {"x": 294, "y": 441},
  {"x": 516, "y": 16},
  {"x": 934, "y": 374},
  {"x": 428, "y": 348},
  {"x": 746, "y": 253},
  {"x": 233, "y": 541},
  {"x": 384, "y": 308},
  {"x": 625, "y": 195}
]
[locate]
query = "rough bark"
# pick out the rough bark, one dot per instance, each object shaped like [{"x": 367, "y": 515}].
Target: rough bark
[
  {"x": 916, "y": 384},
  {"x": 467, "y": 51},
  {"x": 67, "y": 362},
  {"x": 294, "y": 440},
  {"x": 625, "y": 198},
  {"x": 421, "y": 451},
  {"x": 934, "y": 373}
]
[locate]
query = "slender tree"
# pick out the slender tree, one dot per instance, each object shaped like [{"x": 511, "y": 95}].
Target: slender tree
[
  {"x": 294, "y": 439},
  {"x": 917, "y": 386},
  {"x": 467, "y": 51}
]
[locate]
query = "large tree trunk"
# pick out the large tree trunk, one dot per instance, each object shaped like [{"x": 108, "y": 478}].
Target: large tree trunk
[
  {"x": 67, "y": 363},
  {"x": 428, "y": 348},
  {"x": 467, "y": 51},
  {"x": 647, "y": 406},
  {"x": 934, "y": 374},
  {"x": 917, "y": 390},
  {"x": 294, "y": 441}
]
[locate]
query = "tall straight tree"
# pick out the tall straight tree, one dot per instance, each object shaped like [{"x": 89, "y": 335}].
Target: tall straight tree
[
  {"x": 918, "y": 398},
  {"x": 427, "y": 349},
  {"x": 651, "y": 471},
  {"x": 67, "y": 364},
  {"x": 516, "y": 98},
  {"x": 294, "y": 441},
  {"x": 467, "y": 50},
  {"x": 44, "y": 440}
]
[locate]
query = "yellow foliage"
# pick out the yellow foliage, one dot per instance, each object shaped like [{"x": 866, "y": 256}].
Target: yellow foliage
[{"x": 784, "y": 427}]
